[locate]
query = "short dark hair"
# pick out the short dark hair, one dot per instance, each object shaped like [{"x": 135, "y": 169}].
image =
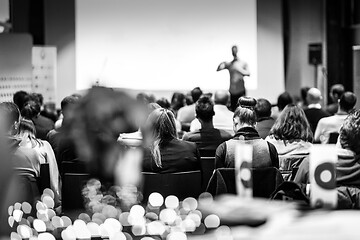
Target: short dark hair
[
  {"x": 11, "y": 111},
  {"x": 303, "y": 92},
  {"x": 164, "y": 103},
  {"x": 337, "y": 89},
  {"x": 68, "y": 101},
  {"x": 20, "y": 98},
  {"x": 283, "y": 100},
  {"x": 263, "y": 108},
  {"x": 205, "y": 109},
  {"x": 350, "y": 132},
  {"x": 196, "y": 93},
  {"x": 347, "y": 101},
  {"x": 30, "y": 110},
  {"x": 292, "y": 124},
  {"x": 245, "y": 111}
]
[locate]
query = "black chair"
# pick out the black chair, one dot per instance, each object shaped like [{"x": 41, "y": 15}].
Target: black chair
[
  {"x": 72, "y": 186},
  {"x": 207, "y": 169},
  {"x": 43, "y": 180},
  {"x": 182, "y": 184},
  {"x": 73, "y": 167},
  {"x": 265, "y": 181},
  {"x": 333, "y": 137}
]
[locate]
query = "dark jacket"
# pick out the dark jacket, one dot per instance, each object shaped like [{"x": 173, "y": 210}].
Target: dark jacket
[
  {"x": 264, "y": 153},
  {"x": 314, "y": 115},
  {"x": 176, "y": 156},
  {"x": 42, "y": 125},
  {"x": 264, "y": 125}
]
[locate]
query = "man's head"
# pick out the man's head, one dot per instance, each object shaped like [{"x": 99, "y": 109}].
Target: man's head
[
  {"x": 245, "y": 115},
  {"x": 347, "y": 102},
  {"x": 283, "y": 100},
  {"x": 222, "y": 97},
  {"x": 336, "y": 92},
  {"x": 9, "y": 118},
  {"x": 262, "y": 108},
  {"x": 67, "y": 103},
  {"x": 204, "y": 109},
  {"x": 350, "y": 132},
  {"x": 303, "y": 92},
  {"x": 20, "y": 98},
  {"x": 313, "y": 96},
  {"x": 195, "y": 94},
  {"x": 234, "y": 51}
]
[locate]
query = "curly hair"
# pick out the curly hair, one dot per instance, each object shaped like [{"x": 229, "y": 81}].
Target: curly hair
[
  {"x": 350, "y": 132},
  {"x": 292, "y": 124}
]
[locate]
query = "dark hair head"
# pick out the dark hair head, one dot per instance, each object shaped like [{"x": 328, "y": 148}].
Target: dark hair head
[
  {"x": 283, "y": 100},
  {"x": 30, "y": 110},
  {"x": 204, "y": 109},
  {"x": 303, "y": 93},
  {"x": 234, "y": 50},
  {"x": 20, "y": 98},
  {"x": 177, "y": 101},
  {"x": 337, "y": 90},
  {"x": 350, "y": 132},
  {"x": 245, "y": 111},
  {"x": 164, "y": 103},
  {"x": 222, "y": 97},
  {"x": 9, "y": 115},
  {"x": 263, "y": 108},
  {"x": 196, "y": 93},
  {"x": 347, "y": 101},
  {"x": 292, "y": 124},
  {"x": 68, "y": 103}
]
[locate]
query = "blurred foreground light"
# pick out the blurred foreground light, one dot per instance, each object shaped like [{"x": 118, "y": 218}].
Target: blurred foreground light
[
  {"x": 11, "y": 221},
  {"x": 15, "y": 236},
  {"x": 57, "y": 222},
  {"x": 66, "y": 220},
  {"x": 137, "y": 210},
  {"x": 94, "y": 229},
  {"x": 117, "y": 236},
  {"x": 48, "y": 201},
  {"x": 206, "y": 198},
  {"x": 10, "y": 210},
  {"x": 17, "y": 206},
  {"x": 195, "y": 218},
  {"x": 80, "y": 229},
  {"x": 46, "y": 236},
  {"x": 176, "y": 236},
  {"x": 49, "y": 192},
  {"x": 26, "y": 207},
  {"x": 24, "y": 231},
  {"x": 172, "y": 202},
  {"x": 190, "y": 204},
  {"x": 212, "y": 221},
  {"x": 68, "y": 233},
  {"x": 124, "y": 219},
  {"x": 85, "y": 217},
  {"x": 155, "y": 228},
  {"x": 168, "y": 216},
  {"x": 39, "y": 225},
  {"x": 156, "y": 199},
  {"x": 17, "y": 214},
  {"x": 138, "y": 230},
  {"x": 188, "y": 225}
]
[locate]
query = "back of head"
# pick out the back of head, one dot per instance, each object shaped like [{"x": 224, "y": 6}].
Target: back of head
[
  {"x": 196, "y": 93},
  {"x": 9, "y": 116},
  {"x": 30, "y": 110},
  {"x": 27, "y": 128},
  {"x": 337, "y": 91},
  {"x": 177, "y": 101},
  {"x": 20, "y": 98},
  {"x": 283, "y": 100},
  {"x": 161, "y": 125},
  {"x": 164, "y": 103},
  {"x": 263, "y": 108},
  {"x": 204, "y": 109},
  {"x": 222, "y": 97},
  {"x": 303, "y": 92},
  {"x": 292, "y": 124},
  {"x": 350, "y": 132},
  {"x": 245, "y": 112},
  {"x": 67, "y": 103},
  {"x": 314, "y": 96},
  {"x": 347, "y": 101}
]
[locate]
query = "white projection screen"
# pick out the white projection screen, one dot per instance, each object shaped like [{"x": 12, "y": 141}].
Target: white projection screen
[{"x": 163, "y": 44}]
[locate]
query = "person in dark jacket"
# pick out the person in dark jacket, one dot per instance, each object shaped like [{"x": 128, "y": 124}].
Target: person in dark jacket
[
  {"x": 165, "y": 153},
  {"x": 264, "y": 119},
  {"x": 264, "y": 153}
]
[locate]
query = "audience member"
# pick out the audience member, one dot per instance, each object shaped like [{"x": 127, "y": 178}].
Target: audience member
[
  {"x": 177, "y": 102},
  {"x": 336, "y": 92},
  {"x": 263, "y": 116},
  {"x": 20, "y": 98},
  {"x": 264, "y": 153},
  {"x": 164, "y": 103},
  {"x": 45, "y": 153},
  {"x": 223, "y": 116},
  {"x": 186, "y": 114},
  {"x": 314, "y": 112},
  {"x": 292, "y": 137},
  {"x": 165, "y": 153},
  {"x": 332, "y": 124},
  {"x": 207, "y": 138},
  {"x": 348, "y": 164},
  {"x": 303, "y": 93},
  {"x": 43, "y": 125},
  {"x": 283, "y": 100}
]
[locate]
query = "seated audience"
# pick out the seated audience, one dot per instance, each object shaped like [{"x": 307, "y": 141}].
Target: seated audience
[
  {"x": 164, "y": 103},
  {"x": 332, "y": 124},
  {"x": 336, "y": 92},
  {"x": 45, "y": 153},
  {"x": 314, "y": 112},
  {"x": 263, "y": 116},
  {"x": 186, "y": 114},
  {"x": 348, "y": 164},
  {"x": 303, "y": 93},
  {"x": 264, "y": 153},
  {"x": 177, "y": 102},
  {"x": 20, "y": 98},
  {"x": 223, "y": 116},
  {"x": 283, "y": 100},
  {"x": 207, "y": 138},
  {"x": 43, "y": 125},
  {"x": 292, "y": 137},
  {"x": 165, "y": 153}
]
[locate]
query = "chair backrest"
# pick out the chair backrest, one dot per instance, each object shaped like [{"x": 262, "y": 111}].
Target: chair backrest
[
  {"x": 73, "y": 167},
  {"x": 333, "y": 137},
  {"x": 72, "y": 186},
  {"x": 182, "y": 184},
  {"x": 207, "y": 169},
  {"x": 44, "y": 179},
  {"x": 265, "y": 181}
]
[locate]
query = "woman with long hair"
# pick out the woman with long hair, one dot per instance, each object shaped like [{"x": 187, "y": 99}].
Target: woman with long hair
[
  {"x": 292, "y": 136},
  {"x": 45, "y": 154},
  {"x": 165, "y": 152}
]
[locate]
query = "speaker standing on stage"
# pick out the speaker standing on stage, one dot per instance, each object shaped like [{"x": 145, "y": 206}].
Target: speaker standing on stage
[{"x": 238, "y": 69}]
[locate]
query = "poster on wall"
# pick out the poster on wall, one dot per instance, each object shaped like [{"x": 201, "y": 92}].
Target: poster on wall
[{"x": 44, "y": 72}]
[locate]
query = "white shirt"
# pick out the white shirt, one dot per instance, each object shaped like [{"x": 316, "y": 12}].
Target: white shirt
[
  {"x": 223, "y": 120},
  {"x": 328, "y": 125},
  {"x": 315, "y": 105}
]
